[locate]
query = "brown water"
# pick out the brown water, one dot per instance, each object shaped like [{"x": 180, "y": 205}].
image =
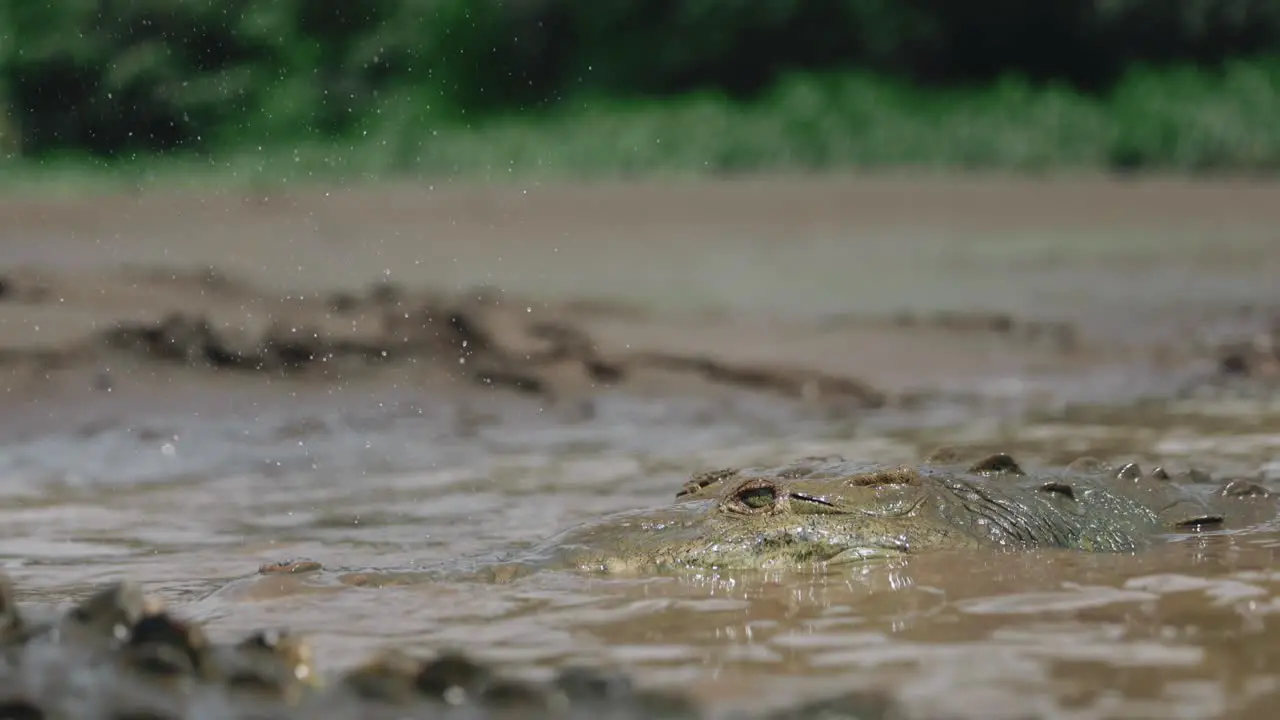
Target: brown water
[
  {"x": 1184, "y": 630},
  {"x": 186, "y": 500}
]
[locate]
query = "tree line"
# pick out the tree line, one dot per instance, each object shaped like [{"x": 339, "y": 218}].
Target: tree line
[{"x": 127, "y": 76}]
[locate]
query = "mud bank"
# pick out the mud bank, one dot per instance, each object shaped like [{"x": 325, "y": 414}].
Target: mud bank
[
  {"x": 76, "y": 335},
  {"x": 97, "y": 328}
]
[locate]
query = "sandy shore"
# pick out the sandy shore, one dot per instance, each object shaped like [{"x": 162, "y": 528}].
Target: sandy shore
[{"x": 837, "y": 291}]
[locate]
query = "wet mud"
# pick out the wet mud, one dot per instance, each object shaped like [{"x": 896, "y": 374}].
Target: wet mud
[
  {"x": 194, "y": 385},
  {"x": 204, "y": 320},
  {"x": 85, "y": 331}
]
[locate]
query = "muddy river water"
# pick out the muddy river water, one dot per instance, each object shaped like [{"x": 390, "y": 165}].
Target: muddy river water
[{"x": 117, "y": 465}]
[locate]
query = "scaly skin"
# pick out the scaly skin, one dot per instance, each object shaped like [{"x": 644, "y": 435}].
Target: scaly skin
[{"x": 829, "y": 511}]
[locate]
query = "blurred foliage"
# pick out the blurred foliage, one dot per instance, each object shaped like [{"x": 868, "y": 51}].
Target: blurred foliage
[{"x": 118, "y": 77}]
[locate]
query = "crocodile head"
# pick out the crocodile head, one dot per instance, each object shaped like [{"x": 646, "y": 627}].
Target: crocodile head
[
  {"x": 828, "y": 510},
  {"x": 819, "y": 510}
]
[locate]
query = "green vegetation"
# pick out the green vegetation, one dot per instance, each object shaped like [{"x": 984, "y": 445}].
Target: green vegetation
[{"x": 269, "y": 90}]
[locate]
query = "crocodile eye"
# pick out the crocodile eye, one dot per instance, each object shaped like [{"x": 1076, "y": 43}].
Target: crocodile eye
[{"x": 756, "y": 496}]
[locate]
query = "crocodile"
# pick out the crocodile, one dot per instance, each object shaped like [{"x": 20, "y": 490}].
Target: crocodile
[
  {"x": 121, "y": 654},
  {"x": 829, "y": 511}
]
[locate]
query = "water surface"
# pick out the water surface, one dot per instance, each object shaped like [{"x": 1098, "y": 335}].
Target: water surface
[{"x": 182, "y": 504}]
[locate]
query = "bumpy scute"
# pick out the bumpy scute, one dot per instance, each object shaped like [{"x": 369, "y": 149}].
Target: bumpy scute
[
  {"x": 1129, "y": 471},
  {"x": 1244, "y": 489},
  {"x": 703, "y": 480},
  {"x": 997, "y": 464}
]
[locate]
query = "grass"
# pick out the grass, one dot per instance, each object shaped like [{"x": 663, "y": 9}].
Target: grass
[{"x": 1173, "y": 120}]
